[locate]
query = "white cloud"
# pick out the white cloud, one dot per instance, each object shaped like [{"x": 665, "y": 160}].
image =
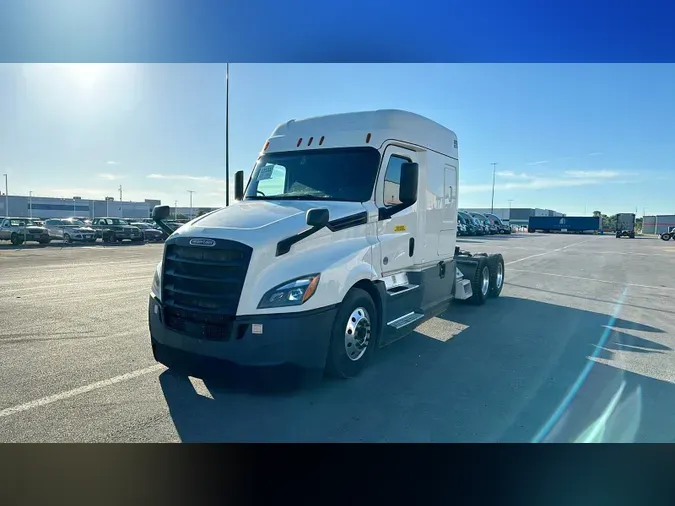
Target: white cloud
[
  {"x": 538, "y": 163},
  {"x": 595, "y": 153},
  {"x": 593, "y": 174},
  {"x": 183, "y": 177},
  {"x": 112, "y": 162},
  {"x": 513, "y": 175},
  {"x": 109, "y": 177},
  {"x": 572, "y": 178}
]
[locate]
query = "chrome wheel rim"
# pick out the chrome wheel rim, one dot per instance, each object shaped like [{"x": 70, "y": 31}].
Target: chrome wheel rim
[
  {"x": 357, "y": 334},
  {"x": 485, "y": 282},
  {"x": 500, "y": 275}
]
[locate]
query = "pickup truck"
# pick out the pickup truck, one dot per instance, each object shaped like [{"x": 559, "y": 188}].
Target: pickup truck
[
  {"x": 116, "y": 230},
  {"x": 20, "y": 230}
]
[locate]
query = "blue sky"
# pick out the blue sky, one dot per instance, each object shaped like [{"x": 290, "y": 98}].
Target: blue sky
[{"x": 574, "y": 138}]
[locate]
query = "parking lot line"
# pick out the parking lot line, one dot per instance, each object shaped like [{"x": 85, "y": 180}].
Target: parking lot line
[
  {"x": 592, "y": 279},
  {"x": 546, "y": 252},
  {"x": 80, "y": 390}
]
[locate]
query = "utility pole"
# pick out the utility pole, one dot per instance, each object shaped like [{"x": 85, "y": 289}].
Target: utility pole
[
  {"x": 6, "y": 197},
  {"x": 227, "y": 134},
  {"x": 120, "y": 193},
  {"x": 494, "y": 168},
  {"x": 190, "y": 192}
]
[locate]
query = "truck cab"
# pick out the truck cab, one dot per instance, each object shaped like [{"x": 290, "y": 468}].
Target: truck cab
[{"x": 342, "y": 241}]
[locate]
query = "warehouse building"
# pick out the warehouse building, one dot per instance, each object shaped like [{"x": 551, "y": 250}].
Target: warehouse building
[
  {"x": 54, "y": 207},
  {"x": 658, "y": 224},
  {"x": 518, "y": 216}
]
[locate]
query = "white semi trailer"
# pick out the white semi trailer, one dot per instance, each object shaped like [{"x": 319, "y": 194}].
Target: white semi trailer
[{"x": 342, "y": 241}]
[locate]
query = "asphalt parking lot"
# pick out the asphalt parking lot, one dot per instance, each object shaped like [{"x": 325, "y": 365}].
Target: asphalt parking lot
[{"x": 579, "y": 347}]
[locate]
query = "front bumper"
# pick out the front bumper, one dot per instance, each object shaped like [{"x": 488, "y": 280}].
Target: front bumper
[{"x": 299, "y": 339}]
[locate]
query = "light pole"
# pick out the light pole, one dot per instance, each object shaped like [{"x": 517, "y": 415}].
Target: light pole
[
  {"x": 6, "y": 197},
  {"x": 175, "y": 209},
  {"x": 120, "y": 193},
  {"x": 191, "y": 192},
  {"x": 492, "y": 206},
  {"x": 30, "y": 205},
  {"x": 227, "y": 134}
]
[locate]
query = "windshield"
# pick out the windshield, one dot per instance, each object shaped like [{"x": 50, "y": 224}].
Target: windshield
[
  {"x": 345, "y": 174},
  {"x": 22, "y": 223},
  {"x": 76, "y": 223}
]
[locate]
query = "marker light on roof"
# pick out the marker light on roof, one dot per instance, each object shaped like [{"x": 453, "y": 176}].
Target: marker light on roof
[
  {"x": 309, "y": 143},
  {"x": 321, "y": 140},
  {"x": 367, "y": 138},
  {"x": 267, "y": 145},
  {"x": 299, "y": 142}
]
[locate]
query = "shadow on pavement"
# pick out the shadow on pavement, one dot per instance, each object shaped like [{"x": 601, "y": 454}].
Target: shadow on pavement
[{"x": 501, "y": 378}]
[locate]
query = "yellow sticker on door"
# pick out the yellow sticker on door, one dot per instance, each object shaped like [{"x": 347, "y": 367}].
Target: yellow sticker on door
[{"x": 399, "y": 228}]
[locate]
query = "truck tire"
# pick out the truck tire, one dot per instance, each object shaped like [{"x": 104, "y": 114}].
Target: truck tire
[
  {"x": 497, "y": 275},
  {"x": 353, "y": 336},
  {"x": 480, "y": 284},
  {"x": 665, "y": 237}
]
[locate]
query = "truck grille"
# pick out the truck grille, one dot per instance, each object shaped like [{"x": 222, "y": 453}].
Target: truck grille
[{"x": 202, "y": 286}]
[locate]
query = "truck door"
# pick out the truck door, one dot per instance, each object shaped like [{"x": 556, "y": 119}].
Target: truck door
[
  {"x": 398, "y": 234},
  {"x": 447, "y": 233}
]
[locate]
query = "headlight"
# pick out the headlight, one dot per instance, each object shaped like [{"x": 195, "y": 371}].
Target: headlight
[
  {"x": 157, "y": 282},
  {"x": 291, "y": 293}
]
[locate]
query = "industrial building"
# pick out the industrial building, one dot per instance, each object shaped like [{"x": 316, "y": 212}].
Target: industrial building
[
  {"x": 53, "y": 207},
  {"x": 518, "y": 216},
  {"x": 658, "y": 224}
]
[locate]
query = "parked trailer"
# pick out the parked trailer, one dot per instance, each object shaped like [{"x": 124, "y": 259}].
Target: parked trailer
[
  {"x": 577, "y": 224},
  {"x": 625, "y": 225},
  {"x": 343, "y": 241}
]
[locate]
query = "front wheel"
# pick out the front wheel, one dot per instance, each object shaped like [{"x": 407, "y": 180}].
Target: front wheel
[
  {"x": 352, "y": 336},
  {"x": 16, "y": 239},
  {"x": 665, "y": 237}
]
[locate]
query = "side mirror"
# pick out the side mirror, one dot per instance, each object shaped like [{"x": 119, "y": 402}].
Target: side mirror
[
  {"x": 317, "y": 218},
  {"x": 407, "y": 192},
  {"x": 161, "y": 212},
  {"x": 239, "y": 185}
]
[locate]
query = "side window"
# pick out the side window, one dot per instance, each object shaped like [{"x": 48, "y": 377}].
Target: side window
[
  {"x": 271, "y": 180},
  {"x": 392, "y": 179}
]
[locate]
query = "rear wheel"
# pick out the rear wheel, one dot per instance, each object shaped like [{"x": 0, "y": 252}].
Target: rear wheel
[
  {"x": 497, "y": 276},
  {"x": 352, "y": 336},
  {"x": 665, "y": 237},
  {"x": 480, "y": 284}
]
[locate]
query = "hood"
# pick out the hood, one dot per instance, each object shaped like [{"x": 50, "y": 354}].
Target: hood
[
  {"x": 35, "y": 228},
  {"x": 274, "y": 219}
]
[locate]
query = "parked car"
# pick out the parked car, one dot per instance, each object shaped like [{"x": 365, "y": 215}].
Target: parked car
[
  {"x": 150, "y": 233},
  {"x": 70, "y": 230},
  {"x": 501, "y": 227},
  {"x": 477, "y": 227},
  {"x": 487, "y": 226},
  {"x": 116, "y": 230},
  {"x": 20, "y": 230},
  {"x": 463, "y": 225}
]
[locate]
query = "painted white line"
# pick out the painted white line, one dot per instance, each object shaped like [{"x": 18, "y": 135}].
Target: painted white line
[
  {"x": 592, "y": 279},
  {"x": 78, "y": 391},
  {"x": 546, "y": 252}
]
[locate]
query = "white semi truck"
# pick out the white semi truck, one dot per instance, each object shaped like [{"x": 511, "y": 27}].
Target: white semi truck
[{"x": 342, "y": 241}]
